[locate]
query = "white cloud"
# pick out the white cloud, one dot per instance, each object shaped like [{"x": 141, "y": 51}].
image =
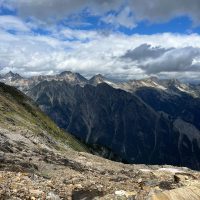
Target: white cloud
[
  {"x": 34, "y": 54},
  {"x": 82, "y": 35},
  {"x": 156, "y": 59},
  {"x": 8, "y": 22},
  {"x": 175, "y": 60},
  {"x": 123, "y": 18}
]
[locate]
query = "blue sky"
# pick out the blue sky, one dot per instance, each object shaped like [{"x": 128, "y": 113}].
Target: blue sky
[{"x": 101, "y": 36}]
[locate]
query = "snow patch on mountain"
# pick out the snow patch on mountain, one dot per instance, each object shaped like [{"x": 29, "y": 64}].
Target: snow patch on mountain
[{"x": 170, "y": 86}]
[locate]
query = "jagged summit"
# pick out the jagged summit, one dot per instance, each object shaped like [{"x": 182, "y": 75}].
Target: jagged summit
[
  {"x": 99, "y": 76},
  {"x": 68, "y": 73},
  {"x": 10, "y": 73},
  {"x": 64, "y": 73},
  {"x": 167, "y": 85},
  {"x": 71, "y": 77},
  {"x": 97, "y": 79},
  {"x": 11, "y": 76}
]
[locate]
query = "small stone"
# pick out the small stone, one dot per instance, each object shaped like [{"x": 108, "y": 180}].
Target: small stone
[
  {"x": 14, "y": 190},
  {"x": 50, "y": 184},
  {"x": 36, "y": 192},
  {"x": 65, "y": 181},
  {"x": 99, "y": 186},
  {"x": 19, "y": 174},
  {"x": 92, "y": 182},
  {"x": 139, "y": 180},
  {"x": 176, "y": 179},
  {"x": 52, "y": 196},
  {"x": 120, "y": 193},
  {"x": 78, "y": 186},
  {"x": 181, "y": 177},
  {"x": 128, "y": 195},
  {"x": 17, "y": 179}
]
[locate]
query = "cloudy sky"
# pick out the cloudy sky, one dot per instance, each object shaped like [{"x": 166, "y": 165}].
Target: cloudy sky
[{"x": 122, "y": 39}]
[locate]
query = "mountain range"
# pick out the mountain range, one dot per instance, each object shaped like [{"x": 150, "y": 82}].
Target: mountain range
[
  {"x": 172, "y": 86},
  {"x": 149, "y": 121}
]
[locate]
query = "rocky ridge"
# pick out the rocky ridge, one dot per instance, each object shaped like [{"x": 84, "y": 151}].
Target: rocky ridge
[{"x": 171, "y": 86}]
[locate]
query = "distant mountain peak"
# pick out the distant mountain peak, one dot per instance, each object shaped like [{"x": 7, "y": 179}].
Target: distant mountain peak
[
  {"x": 69, "y": 73},
  {"x": 72, "y": 77},
  {"x": 64, "y": 73},
  {"x": 12, "y": 75},
  {"x": 97, "y": 79},
  {"x": 10, "y": 72}
]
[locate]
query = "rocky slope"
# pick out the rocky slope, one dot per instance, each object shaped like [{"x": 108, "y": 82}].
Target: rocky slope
[
  {"x": 80, "y": 176},
  {"x": 26, "y": 130}
]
